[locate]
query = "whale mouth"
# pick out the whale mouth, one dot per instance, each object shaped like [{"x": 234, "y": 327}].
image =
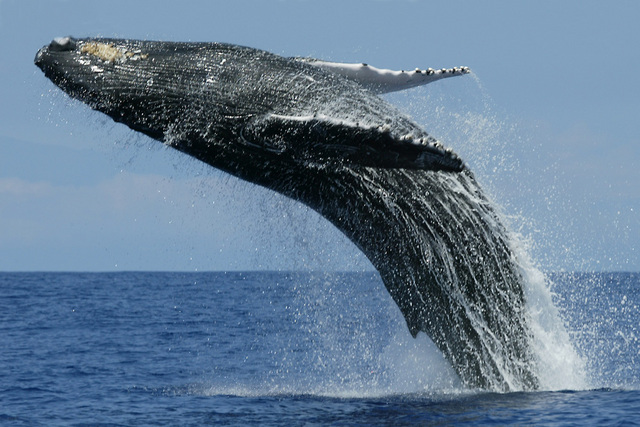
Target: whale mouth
[
  {"x": 59, "y": 46},
  {"x": 59, "y": 62},
  {"x": 52, "y": 56},
  {"x": 87, "y": 69}
]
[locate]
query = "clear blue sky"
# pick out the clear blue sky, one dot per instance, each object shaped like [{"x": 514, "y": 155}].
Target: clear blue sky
[{"x": 551, "y": 127}]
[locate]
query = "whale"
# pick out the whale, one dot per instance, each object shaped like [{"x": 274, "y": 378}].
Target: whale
[{"x": 319, "y": 133}]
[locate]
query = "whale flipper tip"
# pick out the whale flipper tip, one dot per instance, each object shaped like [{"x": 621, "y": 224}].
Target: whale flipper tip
[{"x": 380, "y": 80}]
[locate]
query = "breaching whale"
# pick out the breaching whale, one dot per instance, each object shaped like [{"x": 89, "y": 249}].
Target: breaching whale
[{"x": 318, "y": 132}]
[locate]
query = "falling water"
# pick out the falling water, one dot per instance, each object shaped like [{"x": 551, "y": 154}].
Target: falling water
[{"x": 464, "y": 114}]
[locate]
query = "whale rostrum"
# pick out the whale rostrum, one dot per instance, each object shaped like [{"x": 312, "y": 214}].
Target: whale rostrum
[{"x": 318, "y": 132}]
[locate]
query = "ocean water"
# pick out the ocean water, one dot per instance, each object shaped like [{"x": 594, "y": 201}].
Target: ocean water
[{"x": 279, "y": 348}]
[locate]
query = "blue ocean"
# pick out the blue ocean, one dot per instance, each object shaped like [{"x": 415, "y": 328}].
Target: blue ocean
[{"x": 281, "y": 348}]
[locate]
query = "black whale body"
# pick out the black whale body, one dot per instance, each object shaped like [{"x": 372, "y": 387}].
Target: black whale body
[{"x": 332, "y": 144}]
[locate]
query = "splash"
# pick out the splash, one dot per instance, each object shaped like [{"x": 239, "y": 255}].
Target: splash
[
  {"x": 486, "y": 139},
  {"x": 559, "y": 365},
  {"x": 334, "y": 335}
]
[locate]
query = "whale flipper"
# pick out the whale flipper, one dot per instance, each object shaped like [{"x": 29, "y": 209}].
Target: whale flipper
[
  {"x": 381, "y": 80},
  {"x": 321, "y": 139}
]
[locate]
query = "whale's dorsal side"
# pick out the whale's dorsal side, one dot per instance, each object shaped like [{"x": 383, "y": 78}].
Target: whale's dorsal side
[{"x": 380, "y": 80}]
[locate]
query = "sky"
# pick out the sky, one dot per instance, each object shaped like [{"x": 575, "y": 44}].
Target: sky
[{"x": 548, "y": 122}]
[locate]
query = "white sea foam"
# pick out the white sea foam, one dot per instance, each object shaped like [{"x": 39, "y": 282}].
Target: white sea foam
[
  {"x": 559, "y": 365},
  {"x": 483, "y": 138}
]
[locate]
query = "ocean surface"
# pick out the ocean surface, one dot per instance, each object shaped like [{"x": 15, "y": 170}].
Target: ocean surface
[{"x": 276, "y": 348}]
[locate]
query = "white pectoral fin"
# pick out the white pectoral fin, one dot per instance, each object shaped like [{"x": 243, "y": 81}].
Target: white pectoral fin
[{"x": 380, "y": 80}]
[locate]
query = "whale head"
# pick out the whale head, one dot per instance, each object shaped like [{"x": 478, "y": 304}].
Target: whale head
[
  {"x": 229, "y": 104},
  {"x": 124, "y": 79}
]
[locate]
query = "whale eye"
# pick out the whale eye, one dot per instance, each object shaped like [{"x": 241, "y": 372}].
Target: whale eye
[{"x": 62, "y": 44}]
